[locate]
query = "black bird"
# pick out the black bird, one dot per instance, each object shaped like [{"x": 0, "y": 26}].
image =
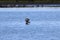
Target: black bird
[{"x": 27, "y": 20}]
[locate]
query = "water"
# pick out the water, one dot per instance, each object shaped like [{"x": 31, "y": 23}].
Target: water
[{"x": 45, "y": 25}]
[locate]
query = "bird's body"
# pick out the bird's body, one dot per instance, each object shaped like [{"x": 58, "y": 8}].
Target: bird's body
[{"x": 27, "y": 20}]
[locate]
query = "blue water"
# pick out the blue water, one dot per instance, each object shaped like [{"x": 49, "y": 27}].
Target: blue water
[{"x": 45, "y": 25}]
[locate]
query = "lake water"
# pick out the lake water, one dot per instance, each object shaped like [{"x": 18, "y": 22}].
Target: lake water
[{"x": 44, "y": 24}]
